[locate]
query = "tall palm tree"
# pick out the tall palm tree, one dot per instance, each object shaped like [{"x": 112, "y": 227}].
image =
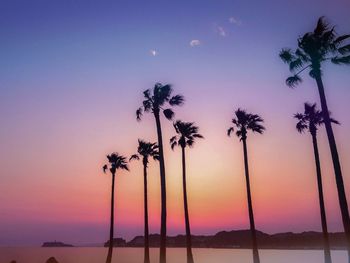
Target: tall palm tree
[
  {"x": 243, "y": 122},
  {"x": 187, "y": 133},
  {"x": 314, "y": 49},
  {"x": 154, "y": 102},
  {"x": 310, "y": 120},
  {"x": 145, "y": 150},
  {"x": 115, "y": 162}
]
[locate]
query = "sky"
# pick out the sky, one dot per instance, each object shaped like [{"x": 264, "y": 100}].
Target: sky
[{"x": 72, "y": 75}]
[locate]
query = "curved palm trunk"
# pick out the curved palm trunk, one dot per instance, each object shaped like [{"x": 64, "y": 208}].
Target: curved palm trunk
[
  {"x": 162, "y": 250},
  {"x": 336, "y": 164},
  {"x": 327, "y": 251},
  {"x": 146, "y": 256},
  {"x": 187, "y": 218},
  {"x": 256, "y": 258},
  {"x": 111, "y": 229}
]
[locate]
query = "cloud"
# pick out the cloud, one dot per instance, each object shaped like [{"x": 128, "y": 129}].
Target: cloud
[
  {"x": 195, "y": 42},
  {"x": 153, "y": 52},
  {"x": 221, "y": 31},
  {"x": 234, "y": 20}
]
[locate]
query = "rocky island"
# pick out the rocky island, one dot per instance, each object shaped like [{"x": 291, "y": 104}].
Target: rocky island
[{"x": 56, "y": 244}]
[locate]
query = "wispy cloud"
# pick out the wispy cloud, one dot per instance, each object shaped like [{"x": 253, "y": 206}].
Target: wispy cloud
[
  {"x": 153, "y": 52},
  {"x": 221, "y": 31},
  {"x": 195, "y": 42},
  {"x": 234, "y": 20}
]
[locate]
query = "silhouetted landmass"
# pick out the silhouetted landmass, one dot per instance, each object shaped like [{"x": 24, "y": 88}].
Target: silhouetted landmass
[
  {"x": 242, "y": 239},
  {"x": 56, "y": 244},
  {"x": 52, "y": 260},
  {"x": 117, "y": 242}
]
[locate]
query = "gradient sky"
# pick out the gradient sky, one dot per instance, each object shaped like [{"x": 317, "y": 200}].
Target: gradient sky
[{"x": 72, "y": 75}]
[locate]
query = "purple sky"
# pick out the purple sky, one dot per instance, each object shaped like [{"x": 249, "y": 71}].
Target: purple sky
[{"x": 72, "y": 75}]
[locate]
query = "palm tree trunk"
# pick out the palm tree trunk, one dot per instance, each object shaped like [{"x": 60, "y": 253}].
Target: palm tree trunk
[
  {"x": 187, "y": 218},
  {"x": 327, "y": 251},
  {"x": 256, "y": 258},
  {"x": 162, "y": 249},
  {"x": 111, "y": 229},
  {"x": 146, "y": 256},
  {"x": 336, "y": 164}
]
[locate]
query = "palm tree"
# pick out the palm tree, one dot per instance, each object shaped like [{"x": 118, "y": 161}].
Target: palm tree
[
  {"x": 243, "y": 122},
  {"x": 187, "y": 134},
  {"x": 145, "y": 150},
  {"x": 310, "y": 120},
  {"x": 314, "y": 49},
  {"x": 116, "y": 162},
  {"x": 155, "y": 102}
]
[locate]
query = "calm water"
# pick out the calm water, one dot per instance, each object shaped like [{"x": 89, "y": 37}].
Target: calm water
[{"x": 175, "y": 255}]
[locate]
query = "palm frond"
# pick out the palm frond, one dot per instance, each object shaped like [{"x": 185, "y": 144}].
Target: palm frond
[
  {"x": 341, "y": 60},
  {"x": 293, "y": 81},
  {"x": 245, "y": 121},
  {"x": 177, "y": 100},
  {"x": 169, "y": 114},
  {"x": 301, "y": 126},
  {"x": 117, "y": 162},
  {"x": 105, "y": 167},
  {"x": 239, "y": 134},
  {"x": 322, "y": 26},
  {"x": 299, "y": 116},
  {"x": 190, "y": 142},
  {"x": 147, "y": 105},
  {"x": 162, "y": 93},
  {"x": 344, "y": 49},
  {"x": 173, "y": 139},
  {"x": 339, "y": 40},
  {"x": 139, "y": 113},
  {"x": 310, "y": 119},
  {"x": 124, "y": 167},
  {"x": 302, "y": 55},
  {"x": 173, "y": 144},
  {"x": 258, "y": 128},
  {"x": 146, "y": 149},
  {"x": 147, "y": 94},
  {"x": 286, "y": 55},
  {"x": 134, "y": 157},
  {"x": 315, "y": 48},
  {"x": 314, "y": 73},
  {"x": 328, "y": 38},
  {"x": 334, "y": 121},
  {"x": 296, "y": 64},
  {"x": 187, "y": 133},
  {"x": 229, "y": 131}
]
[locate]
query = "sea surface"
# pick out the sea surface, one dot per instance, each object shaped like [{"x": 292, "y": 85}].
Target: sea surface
[{"x": 175, "y": 255}]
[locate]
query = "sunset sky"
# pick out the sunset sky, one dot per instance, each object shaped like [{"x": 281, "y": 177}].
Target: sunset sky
[{"x": 72, "y": 75}]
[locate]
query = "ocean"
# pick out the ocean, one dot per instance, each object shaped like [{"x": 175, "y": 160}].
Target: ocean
[{"x": 174, "y": 255}]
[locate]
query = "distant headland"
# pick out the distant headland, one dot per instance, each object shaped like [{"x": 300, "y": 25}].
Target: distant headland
[
  {"x": 56, "y": 244},
  {"x": 242, "y": 239}
]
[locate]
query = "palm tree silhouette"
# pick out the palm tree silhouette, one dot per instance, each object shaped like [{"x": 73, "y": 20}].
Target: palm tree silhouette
[
  {"x": 314, "y": 49},
  {"x": 243, "y": 122},
  {"x": 310, "y": 120},
  {"x": 145, "y": 150},
  {"x": 187, "y": 134},
  {"x": 116, "y": 162},
  {"x": 154, "y": 102}
]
